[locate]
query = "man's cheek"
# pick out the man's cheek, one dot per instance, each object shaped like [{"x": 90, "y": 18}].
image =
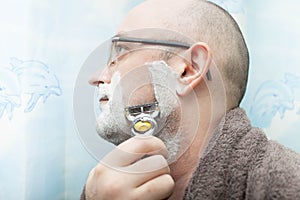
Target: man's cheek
[{"x": 142, "y": 95}]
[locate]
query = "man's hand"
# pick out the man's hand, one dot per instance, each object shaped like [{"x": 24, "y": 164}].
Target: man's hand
[{"x": 136, "y": 169}]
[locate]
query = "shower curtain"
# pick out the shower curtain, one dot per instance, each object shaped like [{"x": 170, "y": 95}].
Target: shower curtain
[{"x": 45, "y": 43}]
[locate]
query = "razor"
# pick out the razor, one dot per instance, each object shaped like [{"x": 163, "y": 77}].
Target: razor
[{"x": 143, "y": 118}]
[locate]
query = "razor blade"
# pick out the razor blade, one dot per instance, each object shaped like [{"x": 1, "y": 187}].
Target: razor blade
[{"x": 142, "y": 118}]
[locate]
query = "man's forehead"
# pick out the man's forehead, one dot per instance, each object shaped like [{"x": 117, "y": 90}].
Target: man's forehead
[{"x": 158, "y": 14}]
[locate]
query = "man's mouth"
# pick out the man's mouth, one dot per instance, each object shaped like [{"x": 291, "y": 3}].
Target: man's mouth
[{"x": 103, "y": 100}]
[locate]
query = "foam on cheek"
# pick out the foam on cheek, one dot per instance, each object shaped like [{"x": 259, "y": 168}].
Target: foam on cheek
[
  {"x": 164, "y": 84},
  {"x": 111, "y": 124},
  {"x": 114, "y": 82},
  {"x": 103, "y": 90},
  {"x": 108, "y": 89},
  {"x": 116, "y": 103}
]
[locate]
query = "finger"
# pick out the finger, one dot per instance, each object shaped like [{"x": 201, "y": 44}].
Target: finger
[
  {"x": 147, "y": 169},
  {"x": 148, "y": 164},
  {"x": 144, "y": 144},
  {"x": 159, "y": 188},
  {"x": 134, "y": 149},
  {"x": 104, "y": 183}
]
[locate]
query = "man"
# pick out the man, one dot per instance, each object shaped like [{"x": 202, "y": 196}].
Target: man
[{"x": 227, "y": 158}]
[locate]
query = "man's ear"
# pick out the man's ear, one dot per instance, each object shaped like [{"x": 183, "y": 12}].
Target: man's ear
[{"x": 200, "y": 58}]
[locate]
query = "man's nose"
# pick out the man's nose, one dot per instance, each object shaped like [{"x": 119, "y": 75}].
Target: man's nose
[{"x": 100, "y": 77}]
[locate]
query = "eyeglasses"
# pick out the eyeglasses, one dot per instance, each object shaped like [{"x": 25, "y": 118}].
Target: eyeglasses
[{"x": 120, "y": 47}]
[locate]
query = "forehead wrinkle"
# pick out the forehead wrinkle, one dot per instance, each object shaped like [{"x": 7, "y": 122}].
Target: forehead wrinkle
[{"x": 150, "y": 14}]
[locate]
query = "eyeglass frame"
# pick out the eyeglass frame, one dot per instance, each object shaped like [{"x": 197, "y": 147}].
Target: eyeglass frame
[{"x": 156, "y": 42}]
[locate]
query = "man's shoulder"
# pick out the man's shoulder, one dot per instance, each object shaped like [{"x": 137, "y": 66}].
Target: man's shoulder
[
  {"x": 276, "y": 175},
  {"x": 279, "y": 159},
  {"x": 277, "y": 153},
  {"x": 282, "y": 162}
]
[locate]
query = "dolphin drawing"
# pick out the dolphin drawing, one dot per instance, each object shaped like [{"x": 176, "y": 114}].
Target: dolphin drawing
[
  {"x": 293, "y": 82},
  {"x": 36, "y": 80},
  {"x": 10, "y": 92},
  {"x": 271, "y": 97}
]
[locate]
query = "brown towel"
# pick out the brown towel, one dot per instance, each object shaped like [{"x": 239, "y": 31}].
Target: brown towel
[{"x": 240, "y": 163}]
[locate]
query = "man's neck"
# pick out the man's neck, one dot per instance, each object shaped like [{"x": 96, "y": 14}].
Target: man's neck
[{"x": 182, "y": 170}]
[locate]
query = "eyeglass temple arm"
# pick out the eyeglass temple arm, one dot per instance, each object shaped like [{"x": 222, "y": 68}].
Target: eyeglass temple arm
[
  {"x": 150, "y": 41},
  {"x": 208, "y": 75},
  {"x": 158, "y": 42}
]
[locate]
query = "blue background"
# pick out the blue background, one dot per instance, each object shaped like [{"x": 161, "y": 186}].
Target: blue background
[{"x": 41, "y": 156}]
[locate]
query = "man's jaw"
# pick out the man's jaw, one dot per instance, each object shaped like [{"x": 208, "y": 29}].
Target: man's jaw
[{"x": 110, "y": 131}]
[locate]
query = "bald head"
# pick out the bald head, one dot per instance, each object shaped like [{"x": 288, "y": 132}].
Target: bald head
[{"x": 202, "y": 21}]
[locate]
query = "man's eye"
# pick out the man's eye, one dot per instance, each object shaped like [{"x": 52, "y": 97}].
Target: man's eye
[{"x": 121, "y": 50}]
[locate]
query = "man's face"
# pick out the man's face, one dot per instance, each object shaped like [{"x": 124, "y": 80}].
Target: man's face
[
  {"x": 110, "y": 122},
  {"x": 110, "y": 125}
]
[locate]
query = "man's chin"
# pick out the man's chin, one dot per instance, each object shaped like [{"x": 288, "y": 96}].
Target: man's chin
[
  {"x": 115, "y": 138},
  {"x": 107, "y": 128}
]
